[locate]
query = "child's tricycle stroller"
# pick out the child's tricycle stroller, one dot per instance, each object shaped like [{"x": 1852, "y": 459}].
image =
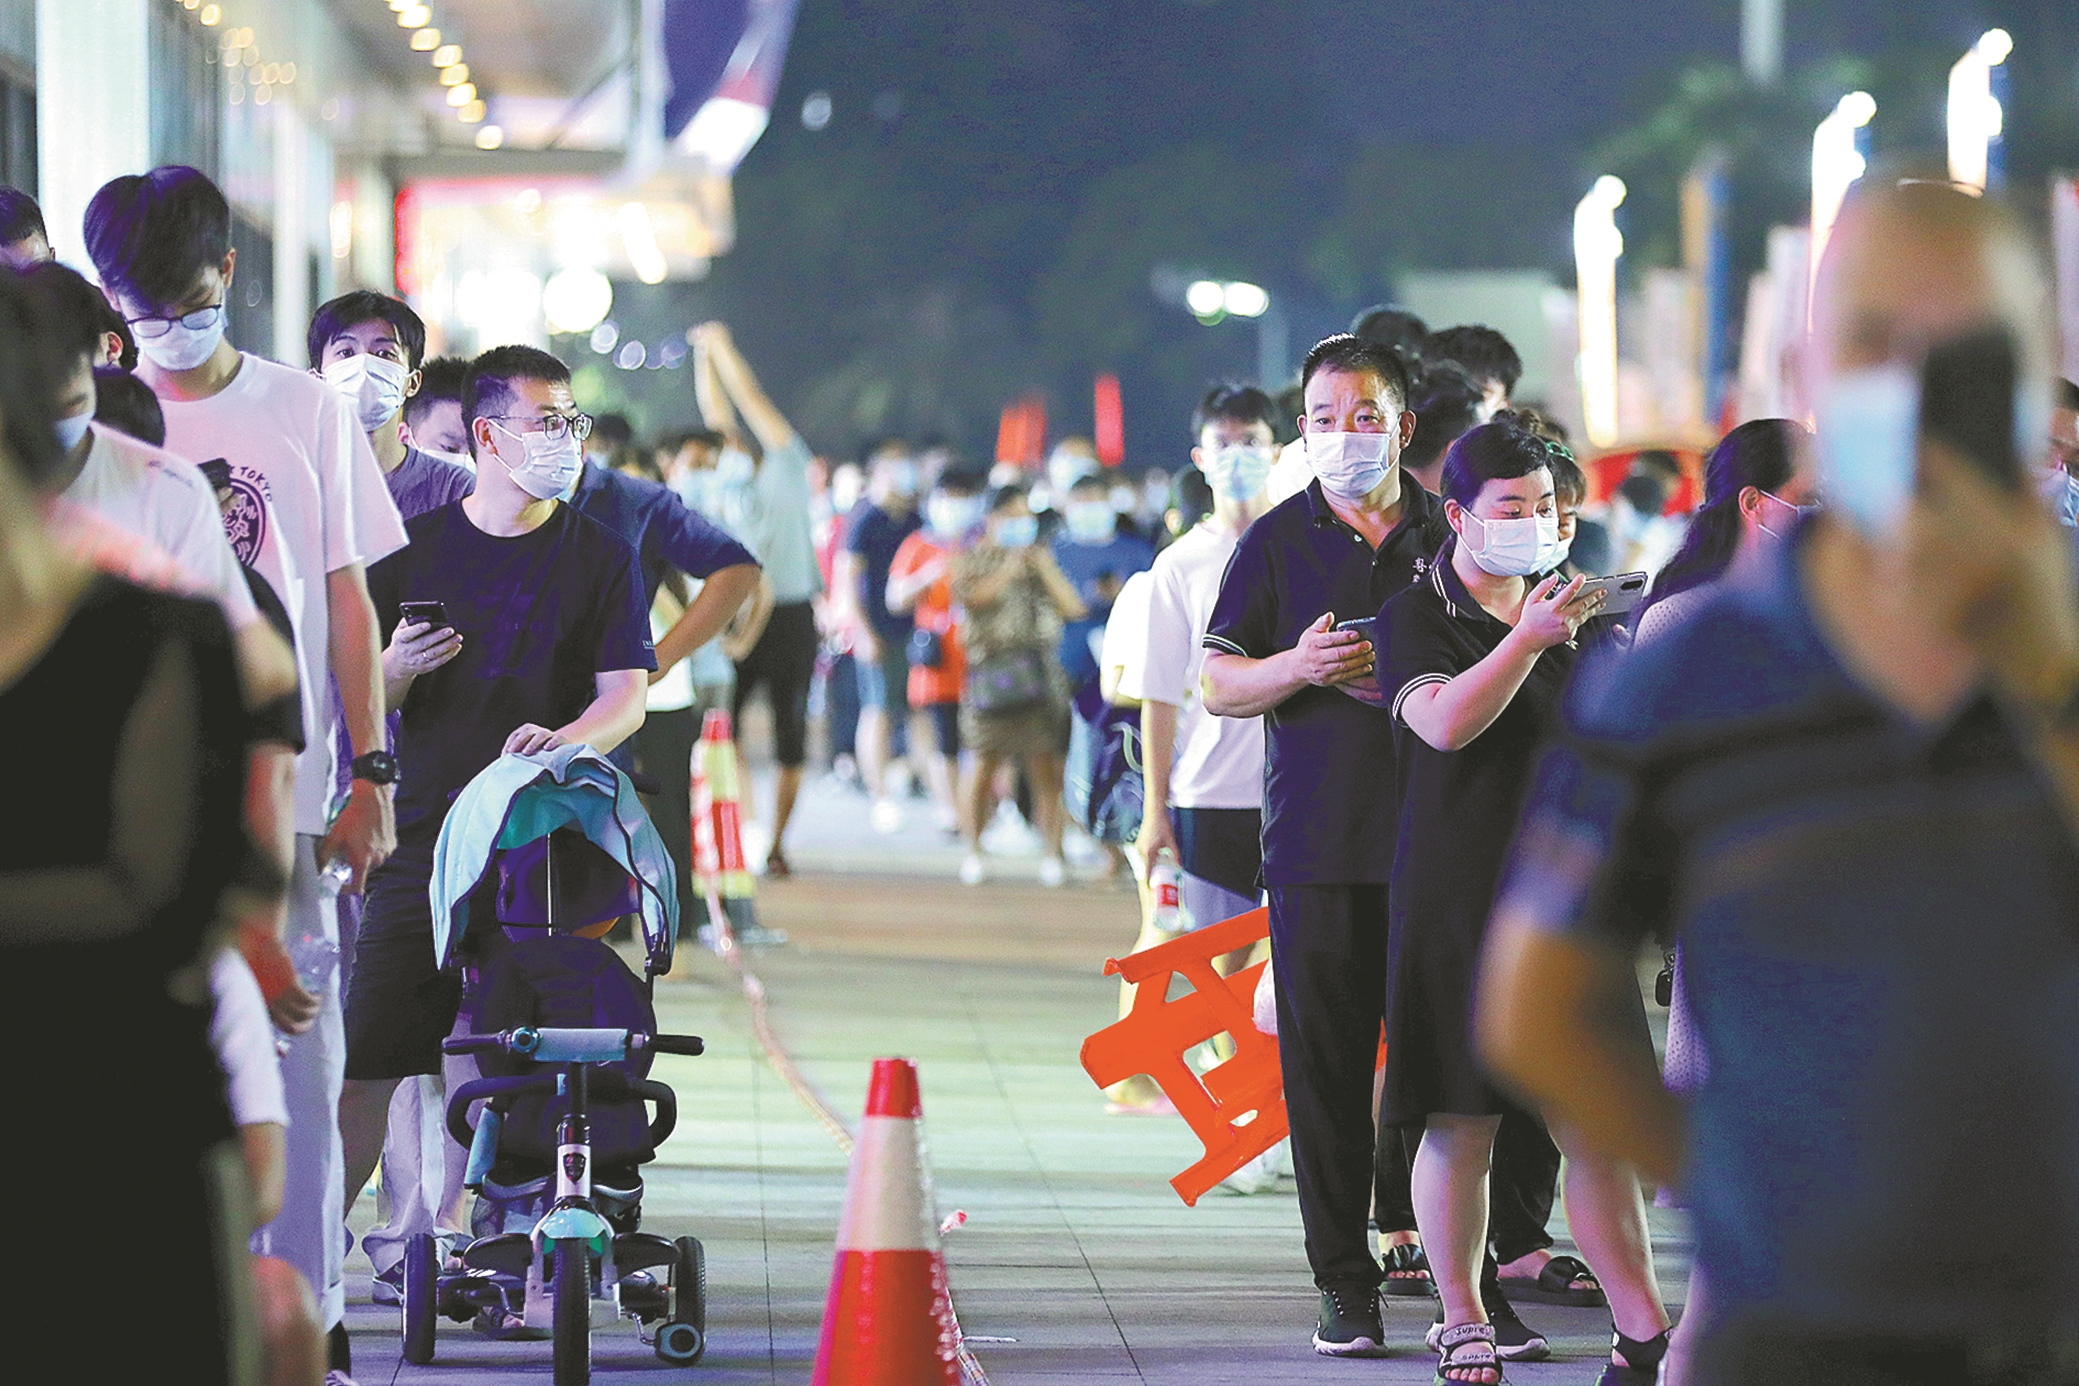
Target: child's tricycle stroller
[{"x": 557, "y": 847}]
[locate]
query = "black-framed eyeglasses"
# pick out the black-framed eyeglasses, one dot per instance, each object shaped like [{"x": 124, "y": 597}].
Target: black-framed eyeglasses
[
  {"x": 153, "y": 326},
  {"x": 553, "y": 426}
]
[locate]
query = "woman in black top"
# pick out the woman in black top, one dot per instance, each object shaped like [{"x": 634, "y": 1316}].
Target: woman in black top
[
  {"x": 1473, "y": 659},
  {"x": 125, "y": 840}
]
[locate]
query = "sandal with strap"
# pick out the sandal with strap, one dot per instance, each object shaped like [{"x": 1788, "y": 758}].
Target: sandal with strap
[
  {"x": 1557, "y": 1284},
  {"x": 1407, "y": 1272},
  {"x": 1467, "y": 1348},
  {"x": 1643, "y": 1357}
]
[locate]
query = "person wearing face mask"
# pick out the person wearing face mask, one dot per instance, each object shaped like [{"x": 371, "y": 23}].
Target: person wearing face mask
[
  {"x": 1475, "y": 659},
  {"x": 433, "y": 413},
  {"x": 310, "y": 514},
  {"x": 1014, "y": 703},
  {"x": 368, "y": 347},
  {"x": 1098, "y": 555},
  {"x": 1359, "y": 533},
  {"x": 1849, "y": 788},
  {"x": 920, "y": 585},
  {"x": 874, "y": 530},
  {"x": 1753, "y": 496},
  {"x": 546, "y": 642}
]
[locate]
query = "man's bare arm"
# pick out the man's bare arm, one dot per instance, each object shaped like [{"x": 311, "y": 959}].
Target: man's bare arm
[{"x": 720, "y": 596}]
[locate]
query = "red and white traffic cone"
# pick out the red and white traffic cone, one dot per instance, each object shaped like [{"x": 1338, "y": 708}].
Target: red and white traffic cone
[
  {"x": 718, "y": 845},
  {"x": 889, "y": 1320}
]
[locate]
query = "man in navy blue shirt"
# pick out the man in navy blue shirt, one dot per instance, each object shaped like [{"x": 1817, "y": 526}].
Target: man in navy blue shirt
[
  {"x": 1850, "y": 789},
  {"x": 1096, "y": 554},
  {"x": 1359, "y": 534},
  {"x": 881, "y": 638}
]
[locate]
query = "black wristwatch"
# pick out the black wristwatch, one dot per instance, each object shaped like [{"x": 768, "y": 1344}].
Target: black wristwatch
[{"x": 376, "y": 767}]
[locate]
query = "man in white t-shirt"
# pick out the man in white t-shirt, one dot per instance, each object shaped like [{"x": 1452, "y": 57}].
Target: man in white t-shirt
[
  {"x": 1205, "y": 773},
  {"x": 162, "y": 245}
]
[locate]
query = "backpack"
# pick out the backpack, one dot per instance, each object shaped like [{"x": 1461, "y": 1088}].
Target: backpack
[{"x": 1102, "y": 783}]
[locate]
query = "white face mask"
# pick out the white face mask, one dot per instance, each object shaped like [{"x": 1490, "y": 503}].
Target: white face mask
[
  {"x": 1512, "y": 548},
  {"x": 1868, "y": 438},
  {"x": 375, "y": 385},
  {"x": 460, "y": 459},
  {"x": 71, "y": 430},
  {"x": 1239, "y": 471},
  {"x": 953, "y": 516},
  {"x": 549, "y": 469},
  {"x": 182, "y": 348},
  {"x": 1349, "y": 465},
  {"x": 1090, "y": 521}
]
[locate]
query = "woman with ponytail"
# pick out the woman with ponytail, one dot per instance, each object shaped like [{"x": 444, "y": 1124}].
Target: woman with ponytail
[{"x": 1752, "y": 493}]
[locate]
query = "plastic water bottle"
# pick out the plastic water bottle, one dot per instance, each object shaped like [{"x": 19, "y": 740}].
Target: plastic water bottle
[
  {"x": 316, "y": 957},
  {"x": 1163, "y": 881},
  {"x": 333, "y": 877}
]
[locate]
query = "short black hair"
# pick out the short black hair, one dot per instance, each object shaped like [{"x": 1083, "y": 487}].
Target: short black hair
[
  {"x": 963, "y": 481},
  {"x": 2067, "y": 395},
  {"x": 153, "y": 234},
  {"x": 1191, "y": 496},
  {"x": 1001, "y": 496},
  {"x": 127, "y": 405},
  {"x": 1569, "y": 482},
  {"x": 1445, "y": 402},
  {"x": 1391, "y": 326},
  {"x": 20, "y": 217},
  {"x": 1483, "y": 352},
  {"x": 1498, "y": 450},
  {"x": 1100, "y": 482},
  {"x": 70, "y": 311},
  {"x": 1234, "y": 404},
  {"x": 1350, "y": 353},
  {"x": 439, "y": 380},
  {"x": 612, "y": 431},
  {"x": 28, "y": 389},
  {"x": 488, "y": 387},
  {"x": 365, "y": 305}
]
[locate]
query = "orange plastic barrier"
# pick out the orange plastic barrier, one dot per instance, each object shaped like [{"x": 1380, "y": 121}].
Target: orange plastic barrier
[
  {"x": 718, "y": 845},
  {"x": 1158, "y": 1032}
]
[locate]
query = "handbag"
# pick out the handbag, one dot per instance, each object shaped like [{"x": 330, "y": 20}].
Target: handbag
[
  {"x": 927, "y": 649},
  {"x": 1008, "y": 682}
]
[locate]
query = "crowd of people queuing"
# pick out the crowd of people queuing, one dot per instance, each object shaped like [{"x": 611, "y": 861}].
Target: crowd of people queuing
[{"x": 1383, "y": 670}]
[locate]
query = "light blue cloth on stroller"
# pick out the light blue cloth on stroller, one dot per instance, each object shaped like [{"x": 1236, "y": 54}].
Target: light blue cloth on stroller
[{"x": 518, "y": 799}]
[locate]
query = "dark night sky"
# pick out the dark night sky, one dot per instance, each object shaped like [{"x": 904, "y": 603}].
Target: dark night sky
[{"x": 970, "y": 141}]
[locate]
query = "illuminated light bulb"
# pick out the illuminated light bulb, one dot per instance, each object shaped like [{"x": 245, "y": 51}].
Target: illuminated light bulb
[
  {"x": 462, "y": 95},
  {"x": 288, "y": 73},
  {"x": 454, "y": 76},
  {"x": 429, "y": 40},
  {"x": 209, "y": 14},
  {"x": 1205, "y": 298},
  {"x": 472, "y": 113},
  {"x": 446, "y": 55},
  {"x": 489, "y": 137},
  {"x": 414, "y": 17}
]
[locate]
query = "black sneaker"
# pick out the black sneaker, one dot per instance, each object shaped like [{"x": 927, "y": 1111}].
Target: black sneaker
[{"x": 1350, "y": 1325}]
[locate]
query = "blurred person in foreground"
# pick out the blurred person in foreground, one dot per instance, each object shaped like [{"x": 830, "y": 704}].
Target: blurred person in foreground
[
  {"x": 126, "y": 868},
  {"x": 24, "y": 241},
  {"x": 1849, "y": 788},
  {"x": 1014, "y": 706},
  {"x": 765, "y": 503}
]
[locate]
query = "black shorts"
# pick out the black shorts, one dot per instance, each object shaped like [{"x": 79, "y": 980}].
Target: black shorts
[
  {"x": 399, "y": 1005},
  {"x": 1224, "y": 846},
  {"x": 783, "y": 660},
  {"x": 945, "y": 722}
]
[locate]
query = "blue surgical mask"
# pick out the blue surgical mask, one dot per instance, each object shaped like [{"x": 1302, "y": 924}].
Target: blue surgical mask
[
  {"x": 902, "y": 479},
  {"x": 1090, "y": 521},
  {"x": 71, "y": 430},
  {"x": 1239, "y": 471},
  {"x": 1868, "y": 439},
  {"x": 696, "y": 487},
  {"x": 735, "y": 468},
  {"x": 1017, "y": 531},
  {"x": 952, "y": 516}
]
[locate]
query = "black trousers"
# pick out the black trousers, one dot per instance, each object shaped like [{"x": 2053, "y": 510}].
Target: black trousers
[
  {"x": 1328, "y": 943},
  {"x": 664, "y": 752},
  {"x": 1521, "y": 1187}
]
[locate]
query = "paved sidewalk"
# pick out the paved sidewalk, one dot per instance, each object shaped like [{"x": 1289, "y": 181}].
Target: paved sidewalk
[{"x": 1078, "y": 1262}]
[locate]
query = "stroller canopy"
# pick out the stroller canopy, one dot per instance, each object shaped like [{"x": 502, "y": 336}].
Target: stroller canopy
[{"x": 519, "y": 799}]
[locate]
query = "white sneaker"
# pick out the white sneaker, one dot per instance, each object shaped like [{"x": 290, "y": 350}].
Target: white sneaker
[
  {"x": 1052, "y": 873},
  {"x": 1255, "y": 1177},
  {"x": 886, "y": 816},
  {"x": 336, "y": 1377},
  {"x": 973, "y": 871}
]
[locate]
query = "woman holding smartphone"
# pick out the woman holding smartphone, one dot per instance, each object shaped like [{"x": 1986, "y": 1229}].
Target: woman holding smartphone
[{"x": 1474, "y": 658}]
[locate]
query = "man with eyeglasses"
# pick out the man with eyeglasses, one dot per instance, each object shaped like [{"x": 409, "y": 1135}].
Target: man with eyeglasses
[
  {"x": 309, "y": 512},
  {"x": 542, "y": 640}
]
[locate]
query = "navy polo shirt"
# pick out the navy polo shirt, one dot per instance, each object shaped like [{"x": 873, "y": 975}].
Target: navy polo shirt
[
  {"x": 664, "y": 532},
  {"x": 1880, "y": 931},
  {"x": 1330, "y": 815}
]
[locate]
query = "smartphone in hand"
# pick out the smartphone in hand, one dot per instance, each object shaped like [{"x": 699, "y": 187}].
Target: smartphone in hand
[
  {"x": 434, "y": 614},
  {"x": 1967, "y": 402}
]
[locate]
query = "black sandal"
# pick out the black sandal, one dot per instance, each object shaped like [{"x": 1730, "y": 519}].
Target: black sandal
[
  {"x": 1555, "y": 1285},
  {"x": 1468, "y": 1347},
  {"x": 1407, "y": 1272},
  {"x": 1643, "y": 1357}
]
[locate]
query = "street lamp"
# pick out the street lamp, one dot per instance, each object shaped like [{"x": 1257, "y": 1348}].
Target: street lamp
[
  {"x": 1974, "y": 112},
  {"x": 1598, "y": 245},
  {"x": 1212, "y": 301},
  {"x": 1837, "y": 161}
]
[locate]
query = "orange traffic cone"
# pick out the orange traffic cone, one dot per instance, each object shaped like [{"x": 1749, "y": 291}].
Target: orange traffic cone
[
  {"x": 889, "y": 1321},
  {"x": 718, "y": 844}
]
